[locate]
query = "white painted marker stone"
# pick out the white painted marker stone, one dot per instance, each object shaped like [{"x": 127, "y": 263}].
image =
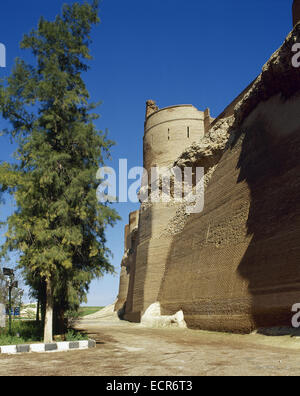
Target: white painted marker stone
[
  {"x": 83, "y": 344},
  {"x": 9, "y": 349},
  {"x": 37, "y": 348}
]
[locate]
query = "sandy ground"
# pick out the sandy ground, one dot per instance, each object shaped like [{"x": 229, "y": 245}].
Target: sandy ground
[{"x": 125, "y": 349}]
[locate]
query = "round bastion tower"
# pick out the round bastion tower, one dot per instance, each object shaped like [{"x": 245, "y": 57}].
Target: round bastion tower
[{"x": 170, "y": 130}]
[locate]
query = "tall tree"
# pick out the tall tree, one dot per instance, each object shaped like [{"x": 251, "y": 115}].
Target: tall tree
[{"x": 59, "y": 226}]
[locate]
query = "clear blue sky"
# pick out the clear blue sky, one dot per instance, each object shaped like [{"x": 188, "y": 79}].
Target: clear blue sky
[{"x": 174, "y": 51}]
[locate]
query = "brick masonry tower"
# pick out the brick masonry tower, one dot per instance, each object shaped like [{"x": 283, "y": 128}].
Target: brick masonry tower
[{"x": 170, "y": 130}]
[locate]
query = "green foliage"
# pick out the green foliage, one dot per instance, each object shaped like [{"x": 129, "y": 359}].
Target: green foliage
[
  {"x": 22, "y": 333},
  {"x": 73, "y": 335},
  {"x": 59, "y": 226},
  {"x": 71, "y": 316},
  {"x": 26, "y": 332}
]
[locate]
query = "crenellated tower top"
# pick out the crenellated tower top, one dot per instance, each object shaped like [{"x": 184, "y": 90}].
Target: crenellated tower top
[{"x": 170, "y": 130}]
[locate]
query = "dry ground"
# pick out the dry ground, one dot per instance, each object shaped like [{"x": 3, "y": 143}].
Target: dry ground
[{"x": 128, "y": 349}]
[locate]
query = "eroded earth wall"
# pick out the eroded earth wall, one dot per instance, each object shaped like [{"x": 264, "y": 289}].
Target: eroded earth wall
[
  {"x": 128, "y": 262},
  {"x": 236, "y": 266},
  {"x": 150, "y": 258}
]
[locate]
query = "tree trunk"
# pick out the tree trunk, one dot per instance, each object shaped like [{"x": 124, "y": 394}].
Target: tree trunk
[
  {"x": 38, "y": 311},
  {"x": 62, "y": 322},
  {"x": 48, "y": 327},
  {"x": 43, "y": 301}
]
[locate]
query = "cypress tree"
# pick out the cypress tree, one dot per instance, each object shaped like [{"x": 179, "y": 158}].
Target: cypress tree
[{"x": 59, "y": 226}]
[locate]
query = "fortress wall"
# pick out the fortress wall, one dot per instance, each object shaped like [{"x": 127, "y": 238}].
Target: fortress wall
[
  {"x": 124, "y": 273},
  {"x": 131, "y": 280},
  {"x": 208, "y": 120},
  {"x": 128, "y": 261},
  {"x": 127, "y": 239},
  {"x": 131, "y": 285},
  {"x": 168, "y": 131},
  {"x": 150, "y": 267},
  {"x": 236, "y": 266},
  {"x": 151, "y": 255},
  {"x": 134, "y": 224},
  {"x": 123, "y": 287},
  {"x": 133, "y": 220}
]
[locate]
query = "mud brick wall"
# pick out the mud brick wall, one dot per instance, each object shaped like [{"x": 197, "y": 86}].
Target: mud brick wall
[{"x": 236, "y": 266}]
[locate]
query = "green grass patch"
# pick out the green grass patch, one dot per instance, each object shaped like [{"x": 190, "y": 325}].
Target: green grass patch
[
  {"x": 22, "y": 333},
  {"x": 74, "y": 335},
  {"x": 31, "y": 332},
  {"x": 84, "y": 311},
  {"x": 29, "y": 306}
]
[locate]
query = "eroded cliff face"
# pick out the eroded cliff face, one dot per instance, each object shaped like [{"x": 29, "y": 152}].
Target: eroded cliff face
[{"x": 236, "y": 265}]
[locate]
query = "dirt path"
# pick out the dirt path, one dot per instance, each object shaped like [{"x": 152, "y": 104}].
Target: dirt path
[{"x": 129, "y": 349}]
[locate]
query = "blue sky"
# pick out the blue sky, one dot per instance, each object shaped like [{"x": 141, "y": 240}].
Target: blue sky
[{"x": 174, "y": 51}]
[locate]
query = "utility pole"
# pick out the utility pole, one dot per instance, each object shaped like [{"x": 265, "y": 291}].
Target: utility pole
[{"x": 9, "y": 304}]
